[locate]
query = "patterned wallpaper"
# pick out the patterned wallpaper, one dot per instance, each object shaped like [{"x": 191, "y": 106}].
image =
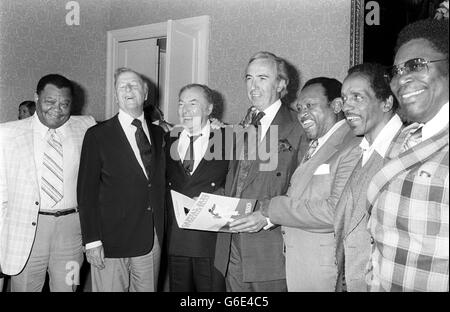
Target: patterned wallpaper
[{"x": 35, "y": 40}]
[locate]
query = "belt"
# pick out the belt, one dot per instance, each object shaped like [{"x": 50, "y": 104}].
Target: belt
[{"x": 58, "y": 213}]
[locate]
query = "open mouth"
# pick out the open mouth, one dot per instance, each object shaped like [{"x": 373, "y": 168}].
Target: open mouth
[
  {"x": 352, "y": 118},
  {"x": 307, "y": 123}
]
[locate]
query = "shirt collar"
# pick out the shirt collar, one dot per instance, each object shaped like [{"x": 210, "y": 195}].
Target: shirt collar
[
  {"x": 384, "y": 138},
  {"x": 270, "y": 112},
  {"x": 42, "y": 129},
  {"x": 204, "y": 133},
  {"x": 436, "y": 124},
  {"x": 330, "y": 132},
  {"x": 126, "y": 119}
]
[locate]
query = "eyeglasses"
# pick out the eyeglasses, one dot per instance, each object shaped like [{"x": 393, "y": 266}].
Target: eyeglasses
[{"x": 413, "y": 65}]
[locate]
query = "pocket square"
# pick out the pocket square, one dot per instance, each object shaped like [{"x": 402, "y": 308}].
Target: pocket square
[{"x": 322, "y": 169}]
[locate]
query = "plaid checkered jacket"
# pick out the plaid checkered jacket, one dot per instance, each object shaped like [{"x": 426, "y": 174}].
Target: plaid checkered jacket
[
  {"x": 19, "y": 188},
  {"x": 410, "y": 218}
]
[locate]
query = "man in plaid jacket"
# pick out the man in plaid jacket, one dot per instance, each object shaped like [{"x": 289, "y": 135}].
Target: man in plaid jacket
[{"x": 410, "y": 196}]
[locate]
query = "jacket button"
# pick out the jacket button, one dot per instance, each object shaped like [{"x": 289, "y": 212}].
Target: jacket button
[
  {"x": 36, "y": 203},
  {"x": 149, "y": 208},
  {"x": 278, "y": 174},
  {"x": 149, "y": 185},
  {"x": 33, "y": 223},
  {"x": 170, "y": 183},
  {"x": 213, "y": 184},
  {"x": 371, "y": 240}
]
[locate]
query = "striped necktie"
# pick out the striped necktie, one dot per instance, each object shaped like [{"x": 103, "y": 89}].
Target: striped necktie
[
  {"x": 312, "y": 147},
  {"x": 413, "y": 137},
  {"x": 52, "y": 171}
]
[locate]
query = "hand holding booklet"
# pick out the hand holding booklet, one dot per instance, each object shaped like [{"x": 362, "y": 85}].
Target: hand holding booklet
[{"x": 209, "y": 212}]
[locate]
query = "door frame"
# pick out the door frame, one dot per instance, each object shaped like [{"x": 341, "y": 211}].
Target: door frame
[{"x": 157, "y": 30}]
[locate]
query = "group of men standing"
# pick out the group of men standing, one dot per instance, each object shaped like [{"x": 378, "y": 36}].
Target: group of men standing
[{"x": 357, "y": 199}]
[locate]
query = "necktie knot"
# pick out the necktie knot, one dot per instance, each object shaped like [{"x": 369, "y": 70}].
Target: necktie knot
[
  {"x": 256, "y": 120},
  {"x": 137, "y": 123},
  {"x": 413, "y": 136},
  {"x": 252, "y": 117},
  {"x": 312, "y": 147}
]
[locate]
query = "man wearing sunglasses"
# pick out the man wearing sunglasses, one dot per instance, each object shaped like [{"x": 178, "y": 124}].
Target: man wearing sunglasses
[{"x": 410, "y": 195}]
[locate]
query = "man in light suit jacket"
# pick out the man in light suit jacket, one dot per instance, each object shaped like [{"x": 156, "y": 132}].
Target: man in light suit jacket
[
  {"x": 253, "y": 260},
  {"x": 38, "y": 177},
  {"x": 369, "y": 107},
  {"x": 410, "y": 195},
  {"x": 191, "y": 252},
  {"x": 121, "y": 188},
  {"x": 316, "y": 184}
]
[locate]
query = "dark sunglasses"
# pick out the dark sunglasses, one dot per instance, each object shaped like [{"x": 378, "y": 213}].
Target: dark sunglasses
[{"x": 413, "y": 65}]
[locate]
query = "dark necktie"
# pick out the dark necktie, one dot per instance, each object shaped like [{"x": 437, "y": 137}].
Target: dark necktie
[
  {"x": 143, "y": 145},
  {"x": 188, "y": 162},
  {"x": 253, "y": 117}
]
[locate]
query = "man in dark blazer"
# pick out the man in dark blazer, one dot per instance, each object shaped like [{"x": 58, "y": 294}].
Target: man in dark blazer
[
  {"x": 121, "y": 184},
  {"x": 254, "y": 261},
  {"x": 191, "y": 252}
]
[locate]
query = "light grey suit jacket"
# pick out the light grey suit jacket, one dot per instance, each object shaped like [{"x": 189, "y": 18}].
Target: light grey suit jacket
[
  {"x": 19, "y": 188},
  {"x": 307, "y": 212}
]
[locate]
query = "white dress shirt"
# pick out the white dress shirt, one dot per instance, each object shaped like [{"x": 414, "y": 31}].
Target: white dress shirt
[
  {"x": 125, "y": 121},
  {"x": 130, "y": 132},
  {"x": 382, "y": 141},
  {"x": 269, "y": 115},
  {"x": 436, "y": 124},
  {"x": 200, "y": 144},
  {"x": 71, "y": 161}
]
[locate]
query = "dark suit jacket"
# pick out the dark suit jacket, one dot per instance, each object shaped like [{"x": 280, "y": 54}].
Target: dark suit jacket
[
  {"x": 117, "y": 204},
  {"x": 209, "y": 177},
  {"x": 262, "y": 252}
]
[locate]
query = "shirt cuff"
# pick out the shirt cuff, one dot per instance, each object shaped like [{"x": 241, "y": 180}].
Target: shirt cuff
[
  {"x": 269, "y": 224},
  {"x": 93, "y": 244}
]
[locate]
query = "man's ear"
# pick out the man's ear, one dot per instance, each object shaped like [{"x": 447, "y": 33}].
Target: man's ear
[
  {"x": 388, "y": 104},
  {"x": 337, "y": 105},
  {"x": 145, "y": 91},
  {"x": 36, "y": 97},
  {"x": 281, "y": 85}
]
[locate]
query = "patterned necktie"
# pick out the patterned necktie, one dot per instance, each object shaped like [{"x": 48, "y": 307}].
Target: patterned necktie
[
  {"x": 414, "y": 136},
  {"x": 143, "y": 145},
  {"x": 256, "y": 120},
  {"x": 188, "y": 162},
  {"x": 253, "y": 117},
  {"x": 312, "y": 147},
  {"x": 52, "y": 171}
]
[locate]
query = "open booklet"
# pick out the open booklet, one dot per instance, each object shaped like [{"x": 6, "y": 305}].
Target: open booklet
[{"x": 209, "y": 212}]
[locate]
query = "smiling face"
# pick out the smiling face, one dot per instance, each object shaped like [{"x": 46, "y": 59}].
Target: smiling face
[
  {"x": 53, "y": 106},
  {"x": 315, "y": 112},
  {"x": 421, "y": 94},
  {"x": 364, "y": 112},
  {"x": 193, "y": 109},
  {"x": 263, "y": 85},
  {"x": 131, "y": 92}
]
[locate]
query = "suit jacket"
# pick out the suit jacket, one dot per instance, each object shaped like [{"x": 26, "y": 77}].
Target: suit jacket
[
  {"x": 262, "y": 252},
  {"x": 307, "y": 212},
  {"x": 209, "y": 176},
  {"x": 19, "y": 187},
  {"x": 118, "y": 204},
  {"x": 353, "y": 240},
  {"x": 410, "y": 199}
]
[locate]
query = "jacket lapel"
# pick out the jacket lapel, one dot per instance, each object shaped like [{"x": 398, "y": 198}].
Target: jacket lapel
[
  {"x": 410, "y": 157},
  {"x": 123, "y": 147}
]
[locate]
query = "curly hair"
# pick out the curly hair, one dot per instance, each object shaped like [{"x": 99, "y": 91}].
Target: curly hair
[{"x": 433, "y": 30}]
